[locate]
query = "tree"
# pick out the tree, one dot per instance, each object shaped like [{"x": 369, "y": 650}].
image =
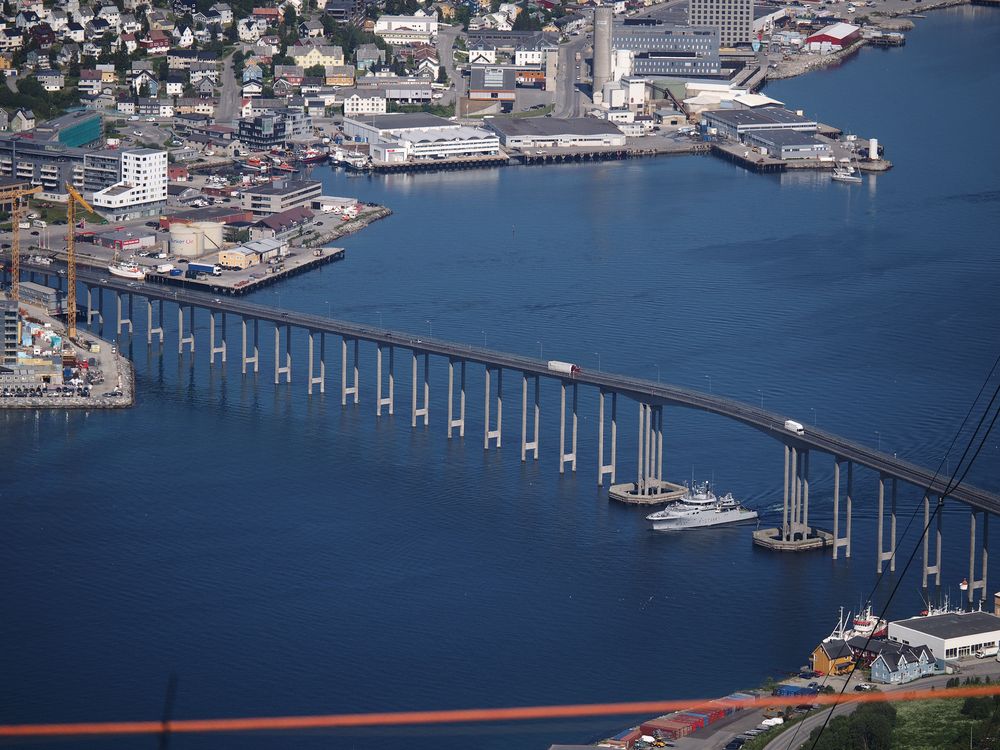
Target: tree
[
  {"x": 526, "y": 21},
  {"x": 316, "y": 71},
  {"x": 442, "y": 75},
  {"x": 290, "y": 19},
  {"x": 144, "y": 90}
]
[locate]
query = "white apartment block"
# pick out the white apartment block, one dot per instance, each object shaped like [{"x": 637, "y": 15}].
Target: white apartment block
[
  {"x": 142, "y": 189},
  {"x": 733, "y": 19}
]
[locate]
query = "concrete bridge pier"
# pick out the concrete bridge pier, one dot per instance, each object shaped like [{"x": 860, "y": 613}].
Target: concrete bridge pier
[
  {"x": 844, "y": 541},
  {"x": 126, "y": 320},
  {"x": 532, "y": 444},
  {"x": 565, "y": 457},
  {"x": 213, "y": 348},
  {"x": 381, "y": 400},
  {"x": 346, "y": 390},
  {"x": 795, "y": 534},
  {"x": 488, "y": 432},
  {"x": 150, "y": 329},
  {"x": 889, "y": 554},
  {"x": 935, "y": 569},
  {"x": 313, "y": 378},
  {"x": 286, "y": 368},
  {"x": 255, "y": 359},
  {"x": 181, "y": 338},
  {"x": 607, "y": 468},
  {"x": 421, "y": 411},
  {"x": 979, "y": 583},
  {"x": 454, "y": 421},
  {"x": 649, "y": 476},
  {"x": 91, "y": 312}
]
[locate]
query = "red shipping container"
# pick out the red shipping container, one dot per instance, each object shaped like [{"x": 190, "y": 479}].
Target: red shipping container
[{"x": 630, "y": 738}]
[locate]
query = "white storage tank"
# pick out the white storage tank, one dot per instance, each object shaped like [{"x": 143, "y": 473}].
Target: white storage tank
[
  {"x": 186, "y": 241},
  {"x": 212, "y": 235},
  {"x": 873, "y": 149}
]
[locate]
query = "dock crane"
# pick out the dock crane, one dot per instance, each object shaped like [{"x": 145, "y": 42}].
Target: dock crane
[
  {"x": 13, "y": 195},
  {"x": 73, "y": 198}
]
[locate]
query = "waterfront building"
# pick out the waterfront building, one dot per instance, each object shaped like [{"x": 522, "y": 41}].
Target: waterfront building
[
  {"x": 736, "y": 123},
  {"x": 833, "y": 38},
  {"x": 264, "y": 200},
  {"x": 832, "y": 656},
  {"x": 493, "y": 83},
  {"x": 732, "y": 18},
  {"x": 952, "y": 635},
  {"x": 555, "y": 132},
  {"x": 398, "y": 137},
  {"x": 669, "y": 49},
  {"x": 897, "y": 664},
  {"x": 45, "y": 297},
  {"x": 141, "y": 189},
  {"x": 789, "y": 144},
  {"x": 271, "y": 129},
  {"x": 9, "y": 329}
]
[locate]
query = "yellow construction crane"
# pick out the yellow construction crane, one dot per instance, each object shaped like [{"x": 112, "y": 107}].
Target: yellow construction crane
[
  {"x": 13, "y": 195},
  {"x": 74, "y": 198}
]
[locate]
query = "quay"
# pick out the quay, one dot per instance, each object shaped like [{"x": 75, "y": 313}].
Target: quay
[{"x": 650, "y": 397}]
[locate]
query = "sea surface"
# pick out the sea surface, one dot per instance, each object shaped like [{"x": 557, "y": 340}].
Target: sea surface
[{"x": 281, "y": 554}]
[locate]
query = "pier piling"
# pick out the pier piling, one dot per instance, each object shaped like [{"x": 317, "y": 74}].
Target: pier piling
[
  {"x": 532, "y": 443},
  {"x": 255, "y": 359},
  {"x": 454, "y": 421},
  {"x": 421, "y": 411},
  {"x": 490, "y": 433},
  {"x": 346, "y": 390},
  {"x": 565, "y": 457},
  {"x": 607, "y": 468},
  {"x": 389, "y": 399},
  {"x": 313, "y": 378}
]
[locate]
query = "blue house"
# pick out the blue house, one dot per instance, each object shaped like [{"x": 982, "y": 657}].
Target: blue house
[{"x": 897, "y": 664}]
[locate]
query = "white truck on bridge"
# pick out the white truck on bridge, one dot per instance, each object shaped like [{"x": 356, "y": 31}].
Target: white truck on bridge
[
  {"x": 792, "y": 426},
  {"x": 564, "y": 368}
]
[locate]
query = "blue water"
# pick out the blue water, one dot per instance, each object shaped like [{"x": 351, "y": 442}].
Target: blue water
[{"x": 285, "y": 555}]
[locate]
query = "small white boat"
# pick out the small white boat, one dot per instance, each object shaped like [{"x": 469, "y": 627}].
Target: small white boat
[
  {"x": 126, "y": 269},
  {"x": 845, "y": 171}
]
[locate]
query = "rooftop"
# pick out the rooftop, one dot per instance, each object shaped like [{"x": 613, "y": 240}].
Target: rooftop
[
  {"x": 292, "y": 186},
  {"x": 785, "y": 137},
  {"x": 403, "y": 121},
  {"x": 952, "y": 624},
  {"x": 759, "y": 116},
  {"x": 551, "y": 126}
]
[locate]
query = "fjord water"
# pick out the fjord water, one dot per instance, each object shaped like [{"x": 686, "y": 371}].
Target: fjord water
[{"x": 285, "y": 555}]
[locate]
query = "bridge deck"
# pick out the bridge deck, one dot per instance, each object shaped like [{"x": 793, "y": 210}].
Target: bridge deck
[{"x": 768, "y": 422}]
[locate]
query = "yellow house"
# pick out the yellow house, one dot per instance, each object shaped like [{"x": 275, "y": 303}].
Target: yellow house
[
  {"x": 109, "y": 76},
  {"x": 340, "y": 75},
  {"x": 325, "y": 55},
  {"x": 238, "y": 257},
  {"x": 832, "y": 656}
]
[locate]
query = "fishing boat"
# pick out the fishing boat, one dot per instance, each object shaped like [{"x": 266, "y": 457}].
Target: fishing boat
[
  {"x": 127, "y": 269},
  {"x": 253, "y": 165},
  {"x": 866, "y": 623},
  {"x": 311, "y": 155},
  {"x": 845, "y": 171}
]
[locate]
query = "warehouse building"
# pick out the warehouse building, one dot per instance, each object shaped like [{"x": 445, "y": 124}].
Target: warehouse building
[
  {"x": 788, "y": 144},
  {"x": 127, "y": 240},
  {"x": 736, "y": 123},
  {"x": 952, "y": 635},
  {"x": 833, "y": 38},
  {"x": 555, "y": 132},
  {"x": 669, "y": 49},
  {"x": 399, "y": 137}
]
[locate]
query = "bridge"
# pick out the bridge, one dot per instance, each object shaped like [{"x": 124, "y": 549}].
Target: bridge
[{"x": 651, "y": 397}]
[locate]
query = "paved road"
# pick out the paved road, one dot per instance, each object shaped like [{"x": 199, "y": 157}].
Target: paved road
[
  {"x": 770, "y": 423},
  {"x": 568, "y": 96},
  {"x": 446, "y": 54},
  {"x": 228, "y": 105},
  {"x": 792, "y": 740}
]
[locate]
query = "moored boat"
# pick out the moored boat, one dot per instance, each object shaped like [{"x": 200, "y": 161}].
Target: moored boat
[{"x": 126, "y": 269}]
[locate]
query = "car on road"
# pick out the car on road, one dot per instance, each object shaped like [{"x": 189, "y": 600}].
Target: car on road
[
  {"x": 136, "y": 132},
  {"x": 216, "y": 300},
  {"x": 133, "y": 118},
  {"x": 864, "y": 687},
  {"x": 34, "y": 234}
]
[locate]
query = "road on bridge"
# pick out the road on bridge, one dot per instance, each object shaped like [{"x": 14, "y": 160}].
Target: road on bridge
[{"x": 770, "y": 423}]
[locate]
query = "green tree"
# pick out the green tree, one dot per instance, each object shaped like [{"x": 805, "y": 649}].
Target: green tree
[
  {"x": 290, "y": 20},
  {"x": 315, "y": 70},
  {"x": 526, "y": 21},
  {"x": 442, "y": 75}
]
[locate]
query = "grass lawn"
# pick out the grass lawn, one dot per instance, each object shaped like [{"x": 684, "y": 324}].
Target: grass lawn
[{"x": 928, "y": 725}]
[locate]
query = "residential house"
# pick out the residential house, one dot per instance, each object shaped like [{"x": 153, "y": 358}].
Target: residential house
[
  {"x": 90, "y": 82},
  {"x": 340, "y": 75},
  {"x": 201, "y": 69},
  {"x": 225, "y": 12},
  {"x": 84, "y": 15},
  {"x": 195, "y": 106},
  {"x": 205, "y": 88},
  {"x": 253, "y": 72},
  {"x": 151, "y": 107},
  {"x": 111, "y": 14},
  {"x": 75, "y": 32},
  {"x": 4, "y": 120},
  {"x": 57, "y": 19},
  {"x": 110, "y": 75},
  {"x": 68, "y": 54},
  {"x": 368, "y": 56},
  {"x": 43, "y": 36},
  {"x": 174, "y": 84},
  {"x": 130, "y": 42},
  {"x": 292, "y": 73},
  {"x": 365, "y": 102},
  {"x": 832, "y": 656},
  {"x": 283, "y": 87},
  {"x": 156, "y": 42},
  {"x": 310, "y": 29},
  {"x": 252, "y": 89},
  {"x": 130, "y": 24},
  {"x": 145, "y": 79},
  {"x": 900, "y": 664},
  {"x": 268, "y": 16},
  {"x": 51, "y": 80},
  {"x": 183, "y": 37},
  {"x": 310, "y": 55},
  {"x": 27, "y": 19},
  {"x": 247, "y": 30},
  {"x": 23, "y": 119},
  {"x": 11, "y": 39}
]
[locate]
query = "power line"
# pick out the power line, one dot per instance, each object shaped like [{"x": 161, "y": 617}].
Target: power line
[{"x": 951, "y": 485}]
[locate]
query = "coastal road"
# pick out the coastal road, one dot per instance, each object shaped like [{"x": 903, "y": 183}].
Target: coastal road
[
  {"x": 793, "y": 740},
  {"x": 640, "y": 390}
]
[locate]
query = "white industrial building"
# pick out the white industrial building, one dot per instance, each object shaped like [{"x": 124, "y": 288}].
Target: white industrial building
[
  {"x": 556, "y": 132},
  {"x": 407, "y": 29},
  {"x": 950, "y": 636},
  {"x": 142, "y": 189},
  {"x": 399, "y": 137}
]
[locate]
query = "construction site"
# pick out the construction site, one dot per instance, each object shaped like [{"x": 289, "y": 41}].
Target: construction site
[{"x": 46, "y": 362}]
